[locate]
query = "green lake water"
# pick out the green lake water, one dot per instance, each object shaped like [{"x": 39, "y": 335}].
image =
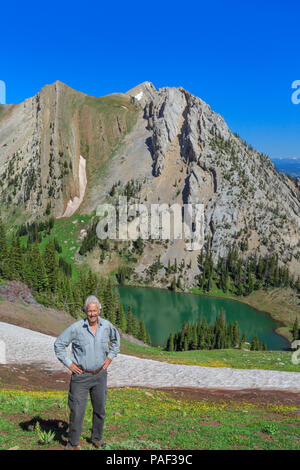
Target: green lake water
[{"x": 164, "y": 312}]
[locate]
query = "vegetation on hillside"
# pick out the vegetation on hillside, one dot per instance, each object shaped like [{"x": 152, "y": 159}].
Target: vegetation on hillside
[
  {"x": 52, "y": 284},
  {"x": 242, "y": 276}
]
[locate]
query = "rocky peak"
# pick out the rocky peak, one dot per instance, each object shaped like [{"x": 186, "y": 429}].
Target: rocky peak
[
  {"x": 247, "y": 201},
  {"x": 143, "y": 93}
]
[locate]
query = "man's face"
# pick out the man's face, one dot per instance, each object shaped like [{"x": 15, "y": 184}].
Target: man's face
[{"x": 92, "y": 313}]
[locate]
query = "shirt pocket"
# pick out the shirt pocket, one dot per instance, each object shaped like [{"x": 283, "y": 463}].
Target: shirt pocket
[
  {"x": 104, "y": 337},
  {"x": 81, "y": 344}
]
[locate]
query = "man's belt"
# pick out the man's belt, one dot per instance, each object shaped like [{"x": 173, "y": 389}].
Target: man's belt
[{"x": 92, "y": 371}]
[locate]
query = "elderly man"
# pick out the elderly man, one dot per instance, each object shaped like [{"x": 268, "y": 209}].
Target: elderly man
[{"x": 89, "y": 361}]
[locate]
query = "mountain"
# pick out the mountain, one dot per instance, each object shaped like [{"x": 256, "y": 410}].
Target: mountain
[
  {"x": 41, "y": 142},
  {"x": 69, "y": 150}
]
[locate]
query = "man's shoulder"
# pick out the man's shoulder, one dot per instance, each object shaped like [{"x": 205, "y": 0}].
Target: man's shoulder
[
  {"x": 106, "y": 322},
  {"x": 76, "y": 325},
  {"x": 80, "y": 322}
]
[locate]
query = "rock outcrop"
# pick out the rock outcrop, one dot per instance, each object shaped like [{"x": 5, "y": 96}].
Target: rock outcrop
[{"x": 245, "y": 197}]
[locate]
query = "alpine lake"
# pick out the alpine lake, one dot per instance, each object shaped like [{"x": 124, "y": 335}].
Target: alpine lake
[{"x": 164, "y": 312}]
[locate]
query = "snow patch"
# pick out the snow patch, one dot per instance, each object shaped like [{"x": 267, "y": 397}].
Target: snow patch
[
  {"x": 139, "y": 96},
  {"x": 25, "y": 346},
  {"x": 73, "y": 204}
]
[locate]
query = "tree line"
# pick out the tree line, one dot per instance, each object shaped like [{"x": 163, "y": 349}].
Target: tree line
[
  {"x": 242, "y": 276},
  {"x": 52, "y": 284},
  {"x": 217, "y": 335},
  {"x": 296, "y": 329},
  {"x": 34, "y": 229}
]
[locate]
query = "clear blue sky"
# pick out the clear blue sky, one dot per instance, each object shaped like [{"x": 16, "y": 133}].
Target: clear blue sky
[{"x": 239, "y": 57}]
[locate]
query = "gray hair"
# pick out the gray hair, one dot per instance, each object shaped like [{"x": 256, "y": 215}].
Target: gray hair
[{"x": 91, "y": 299}]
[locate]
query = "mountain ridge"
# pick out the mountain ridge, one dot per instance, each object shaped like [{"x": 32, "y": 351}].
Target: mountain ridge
[{"x": 169, "y": 142}]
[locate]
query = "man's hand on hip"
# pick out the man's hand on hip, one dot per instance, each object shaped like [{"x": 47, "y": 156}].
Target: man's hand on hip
[
  {"x": 106, "y": 363},
  {"x": 75, "y": 368}
]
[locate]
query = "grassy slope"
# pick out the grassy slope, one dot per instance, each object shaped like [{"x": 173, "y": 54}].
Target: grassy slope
[
  {"x": 235, "y": 358},
  {"x": 150, "y": 419},
  {"x": 98, "y": 147},
  {"x": 26, "y": 316},
  {"x": 66, "y": 231}
]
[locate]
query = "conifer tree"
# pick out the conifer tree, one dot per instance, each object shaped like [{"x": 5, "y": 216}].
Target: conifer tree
[
  {"x": 203, "y": 334},
  {"x": 78, "y": 303},
  {"x": 91, "y": 283},
  {"x": 116, "y": 301},
  {"x": 170, "y": 342},
  {"x": 136, "y": 326},
  {"x": 194, "y": 338},
  {"x": 175, "y": 265},
  {"x": 120, "y": 318},
  {"x": 34, "y": 269},
  {"x": 230, "y": 334},
  {"x": 179, "y": 286},
  {"x": 181, "y": 337},
  {"x": 169, "y": 267},
  {"x": 254, "y": 343},
  {"x": 200, "y": 257},
  {"x": 15, "y": 259},
  {"x": 236, "y": 334},
  {"x": 51, "y": 265},
  {"x": 142, "y": 331},
  {"x": 129, "y": 322},
  {"x": 250, "y": 283},
  {"x": 61, "y": 294},
  {"x": 69, "y": 300},
  {"x": 148, "y": 339},
  {"x": 109, "y": 307},
  {"x": 4, "y": 268},
  {"x": 295, "y": 330},
  {"x": 173, "y": 284}
]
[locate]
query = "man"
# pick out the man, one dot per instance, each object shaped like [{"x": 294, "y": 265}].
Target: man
[{"x": 89, "y": 361}]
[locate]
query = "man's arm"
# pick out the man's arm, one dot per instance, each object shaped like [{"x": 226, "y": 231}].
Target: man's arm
[
  {"x": 114, "y": 342},
  {"x": 61, "y": 343}
]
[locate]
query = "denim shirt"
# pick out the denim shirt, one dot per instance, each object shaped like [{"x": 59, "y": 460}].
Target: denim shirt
[{"x": 88, "y": 350}]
